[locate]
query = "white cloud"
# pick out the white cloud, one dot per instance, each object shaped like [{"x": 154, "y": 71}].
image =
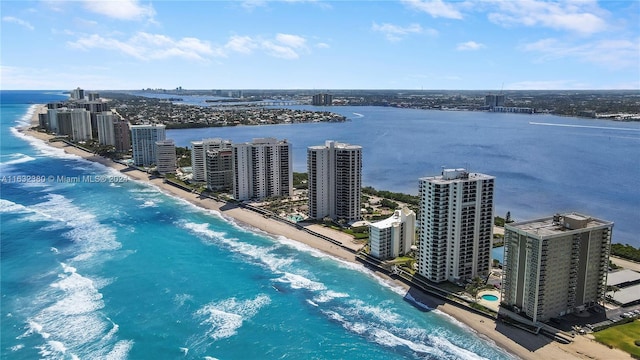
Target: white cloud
[
  {"x": 435, "y": 8},
  {"x": 293, "y": 41},
  {"x": 284, "y": 46},
  {"x": 469, "y": 45},
  {"x": 583, "y": 17},
  {"x": 395, "y": 32},
  {"x": 121, "y": 9},
  {"x": 241, "y": 44},
  {"x": 322, "y": 45},
  {"x": 145, "y": 46},
  {"x": 15, "y": 20},
  {"x": 610, "y": 53}
]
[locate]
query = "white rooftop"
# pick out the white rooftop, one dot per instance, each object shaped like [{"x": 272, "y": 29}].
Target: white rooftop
[{"x": 622, "y": 276}]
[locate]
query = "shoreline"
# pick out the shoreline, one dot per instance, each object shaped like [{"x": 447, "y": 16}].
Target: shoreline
[{"x": 512, "y": 340}]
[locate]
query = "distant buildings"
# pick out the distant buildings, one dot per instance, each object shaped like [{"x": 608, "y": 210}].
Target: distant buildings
[
  {"x": 261, "y": 169},
  {"x": 456, "y": 225},
  {"x": 393, "y": 237},
  {"x": 143, "y": 143},
  {"x": 322, "y": 100},
  {"x": 491, "y": 101},
  {"x": 165, "y": 156},
  {"x": 77, "y": 94},
  {"x": 335, "y": 181},
  {"x": 555, "y": 265}
]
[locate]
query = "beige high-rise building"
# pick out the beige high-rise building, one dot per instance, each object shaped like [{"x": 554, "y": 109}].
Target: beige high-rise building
[
  {"x": 335, "y": 181},
  {"x": 165, "y": 156},
  {"x": 81, "y": 125},
  {"x": 456, "y": 225},
  {"x": 555, "y": 265},
  {"x": 219, "y": 168},
  {"x": 261, "y": 169}
]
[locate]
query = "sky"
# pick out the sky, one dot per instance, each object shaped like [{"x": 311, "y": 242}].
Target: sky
[{"x": 316, "y": 44}]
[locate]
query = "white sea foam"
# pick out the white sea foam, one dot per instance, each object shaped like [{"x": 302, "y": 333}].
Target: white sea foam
[
  {"x": 17, "y": 158},
  {"x": 17, "y": 347},
  {"x": 261, "y": 255},
  {"x": 120, "y": 350},
  {"x": 329, "y": 295},
  {"x": 73, "y": 322},
  {"x": 210, "y": 358},
  {"x": 148, "y": 203},
  {"x": 180, "y": 299},
  {"x": 380, "y": 313},
  {"x": 224, "y": 318},
  {"x": 416, "y": 302},
  {"x": 300, "y": 282}
]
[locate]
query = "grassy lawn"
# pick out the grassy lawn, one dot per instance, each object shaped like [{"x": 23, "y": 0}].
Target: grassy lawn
[{"x": 622, "y": 337}]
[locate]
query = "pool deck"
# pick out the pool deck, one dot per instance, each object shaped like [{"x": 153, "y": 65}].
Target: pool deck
[{"x": 493, "y": 305}]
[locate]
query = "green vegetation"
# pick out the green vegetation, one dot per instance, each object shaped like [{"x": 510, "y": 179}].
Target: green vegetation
[
  {"x": 388, "y": 204},
  {"x": 300, "y": 180},
  {"x": 625, "y": 251},
  {"x": 498, "y": 221},
  {"x": 183, "y": 154},
  {"x": 360, "y": 232},
  {"x": 405, "y": 198},
  {"x": 623, "y": 337}
]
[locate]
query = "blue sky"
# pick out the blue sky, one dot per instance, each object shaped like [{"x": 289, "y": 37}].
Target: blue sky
[{"x": 297, "y": 44}]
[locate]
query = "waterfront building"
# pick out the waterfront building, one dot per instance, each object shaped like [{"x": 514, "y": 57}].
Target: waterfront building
[
  {"x": 456, "y": 225},
  {"x": 555, "y": 265},
  {"x": 492, "y": 101},
  {"x": 77, "y": 94},
  {"x": 393, "y": 237},
  {"x": 93, "y": 96},
  {"x": 335, "y": 181},
  {"x": 322, "y": 100},
  {"x": 165, "y": 156},
  {"x": 106, "y": 134},
  {"x": 261, "y": 169},
  {"x": 43, "y": 121},
  {"x": 81, "y": 125},
  {"x": 94, "y": 108},
  {"x": 122, "y": 135},
  {"x": 52, "y": 118},
  {"x": 219, "y": 168},
  {"x": 199, "y": 155},
  {"x": 62, "y": 118},
  {"x": 143, "y": 142}
]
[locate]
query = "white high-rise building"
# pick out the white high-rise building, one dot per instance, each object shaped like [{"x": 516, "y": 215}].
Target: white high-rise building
[
  {"x": 52, "y": 115},
  {"x": 456, "y": 225},
  {"x": 335, "y": 181},
  {"x": 393, "y": 237},
  {"x": 261, "y": 169},
  {"x": 80, "y": 125},
  {"x": 199, "y": 155},
  {"x": 555, "y": 265},
  {"x": 106, "y": 134},
  {"x": 165, "y": 156},
  {"x": 143, "y": 142}
]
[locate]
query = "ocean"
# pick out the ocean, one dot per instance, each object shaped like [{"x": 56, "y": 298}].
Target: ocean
[{"x": 117, "y": 270}]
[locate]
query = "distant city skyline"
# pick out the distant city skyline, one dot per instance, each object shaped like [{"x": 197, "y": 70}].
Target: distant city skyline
[{"x": 412, "y": 44}]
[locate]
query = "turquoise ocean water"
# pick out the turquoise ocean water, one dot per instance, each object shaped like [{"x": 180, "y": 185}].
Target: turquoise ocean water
[{"x": 119, "y": 270}]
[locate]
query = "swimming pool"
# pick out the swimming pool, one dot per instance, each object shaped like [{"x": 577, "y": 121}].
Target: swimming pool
[{"x": 489, "y": 297}]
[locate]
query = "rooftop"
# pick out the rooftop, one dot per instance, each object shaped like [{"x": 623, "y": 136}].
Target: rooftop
[
  {"x": 558, "y": 224},
  {"x": 622, "y": 276}
]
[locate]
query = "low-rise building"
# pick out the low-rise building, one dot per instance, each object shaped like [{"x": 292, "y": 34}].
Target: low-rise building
[{"x": 393, "y": 237}]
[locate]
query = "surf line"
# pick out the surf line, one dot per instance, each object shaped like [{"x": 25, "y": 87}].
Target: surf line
[{"x": 582, "y": 126}]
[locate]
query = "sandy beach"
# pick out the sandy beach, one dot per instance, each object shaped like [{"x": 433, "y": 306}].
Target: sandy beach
[{"x": 517, "y": 342}]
